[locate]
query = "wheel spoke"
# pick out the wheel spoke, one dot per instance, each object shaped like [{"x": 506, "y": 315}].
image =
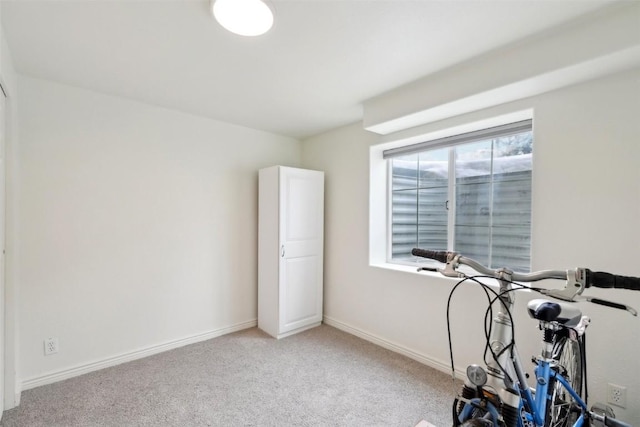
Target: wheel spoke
[{"x": 567, "y": 354}]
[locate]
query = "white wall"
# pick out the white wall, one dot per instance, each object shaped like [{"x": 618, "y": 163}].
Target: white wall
[
  {"x": 589, "y": 47},
  {"x": 138, "y": 227},
  {"x": 8, "y": 78},
  {"x": 585, "y": 213}
]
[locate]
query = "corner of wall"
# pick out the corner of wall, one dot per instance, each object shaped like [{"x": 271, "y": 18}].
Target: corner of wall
[{"x": 8, "y": 79}]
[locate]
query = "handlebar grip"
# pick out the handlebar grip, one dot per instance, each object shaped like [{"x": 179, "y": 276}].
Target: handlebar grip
[
  {"x": 424, "y": 253},
  {"x": 601, "y": 279}
]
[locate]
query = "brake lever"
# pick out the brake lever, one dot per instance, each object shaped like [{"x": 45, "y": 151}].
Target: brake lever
[
  {"x": 449, "y": 269},
  {"x": 572, "y": 292},
  {"x": 576, "y": 283},
  {"x": 611, "y": 304},
  {"x": 444, "y": 271}
]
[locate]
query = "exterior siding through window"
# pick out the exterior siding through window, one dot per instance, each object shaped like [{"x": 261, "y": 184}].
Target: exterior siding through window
[{"x": 486, "y": 184}]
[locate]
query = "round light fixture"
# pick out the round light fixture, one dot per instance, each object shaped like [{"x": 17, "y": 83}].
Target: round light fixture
[{"x": 243, "y": 17}]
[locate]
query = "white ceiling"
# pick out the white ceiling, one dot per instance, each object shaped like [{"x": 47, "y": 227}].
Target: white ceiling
[{"x": 309, "y": 74}]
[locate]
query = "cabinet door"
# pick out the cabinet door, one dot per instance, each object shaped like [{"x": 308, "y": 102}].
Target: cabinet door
[{"x": 301, "y": 246}]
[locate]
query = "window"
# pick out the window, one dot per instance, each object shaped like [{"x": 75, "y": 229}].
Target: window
[{"x": 470, "y": 193}]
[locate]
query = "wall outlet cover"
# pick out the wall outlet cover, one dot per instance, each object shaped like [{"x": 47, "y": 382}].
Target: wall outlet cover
[
  {"x": 50, "y": 346},
  {"x": 617, "y": 395}
]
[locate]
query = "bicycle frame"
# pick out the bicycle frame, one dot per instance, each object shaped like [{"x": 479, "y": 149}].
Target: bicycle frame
[
  {"x": 544, "y": 374},
  {"x": 531, "y": 407},
  {"x": 536, "y": 415},
  {"x": 501, "y": 391}
]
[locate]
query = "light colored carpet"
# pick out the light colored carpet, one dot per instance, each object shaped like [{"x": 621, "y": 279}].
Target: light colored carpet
[{"x": 320, "y": 377}]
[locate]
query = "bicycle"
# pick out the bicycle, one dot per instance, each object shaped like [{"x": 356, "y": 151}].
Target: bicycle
[{"x": 498, "y": 395}]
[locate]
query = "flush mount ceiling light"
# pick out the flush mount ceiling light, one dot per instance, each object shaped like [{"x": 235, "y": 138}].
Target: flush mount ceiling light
[{"x": 243, "y": 17}]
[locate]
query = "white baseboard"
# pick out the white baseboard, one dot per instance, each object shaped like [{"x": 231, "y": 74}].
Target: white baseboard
[
  {"x": 389, "y": 345},
  {"x": 12, "y": 398},
  {"x": 64, "y": 374}
]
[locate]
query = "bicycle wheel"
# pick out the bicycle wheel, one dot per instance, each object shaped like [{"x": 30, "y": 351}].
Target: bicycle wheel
[{"x": 563, "y": 410}]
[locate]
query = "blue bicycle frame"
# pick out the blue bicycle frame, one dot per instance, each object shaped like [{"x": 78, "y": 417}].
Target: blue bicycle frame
[
  {"x": 544, "y": 374},
  {"x": 538, "y": 404}
]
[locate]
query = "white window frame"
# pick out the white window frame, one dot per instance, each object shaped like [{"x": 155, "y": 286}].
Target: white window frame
[
  {"x": 448, "y": 143},
  {"x": 380, "y": 203}
]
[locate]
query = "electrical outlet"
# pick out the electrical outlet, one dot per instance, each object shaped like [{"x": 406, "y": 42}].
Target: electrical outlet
[
  {"x": 50, "y": 346},
  {"x": 617, "y": 395}
]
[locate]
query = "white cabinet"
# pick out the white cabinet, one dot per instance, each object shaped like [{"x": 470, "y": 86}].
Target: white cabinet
[{"x": 290, "y": 246}]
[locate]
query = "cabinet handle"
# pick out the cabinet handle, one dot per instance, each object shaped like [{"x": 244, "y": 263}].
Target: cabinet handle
[{"x": 282, "y": 251}]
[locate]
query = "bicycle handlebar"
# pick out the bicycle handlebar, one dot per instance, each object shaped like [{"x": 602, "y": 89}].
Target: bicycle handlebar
[
  {"x": 454, "y": 258},
  {"x": 577, "y": 279}
]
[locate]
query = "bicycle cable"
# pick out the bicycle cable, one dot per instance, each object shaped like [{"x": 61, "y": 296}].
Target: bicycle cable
[
  {"x": 488, "y": 318},
  {"x": 453, "y": 373},
  {"x": 488, "y": 315},
  {"x": 488, "y": 326}
]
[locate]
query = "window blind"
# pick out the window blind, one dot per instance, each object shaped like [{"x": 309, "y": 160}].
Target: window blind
[{"x": 479, "y": 135}]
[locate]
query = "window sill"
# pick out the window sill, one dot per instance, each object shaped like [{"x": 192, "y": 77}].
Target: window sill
[
  {"x": 404, "y": 268},
  {"x": 413, "y": 269}
]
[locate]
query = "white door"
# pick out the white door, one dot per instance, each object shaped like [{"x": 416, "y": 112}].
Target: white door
[{"x": 301, "y": 246}]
